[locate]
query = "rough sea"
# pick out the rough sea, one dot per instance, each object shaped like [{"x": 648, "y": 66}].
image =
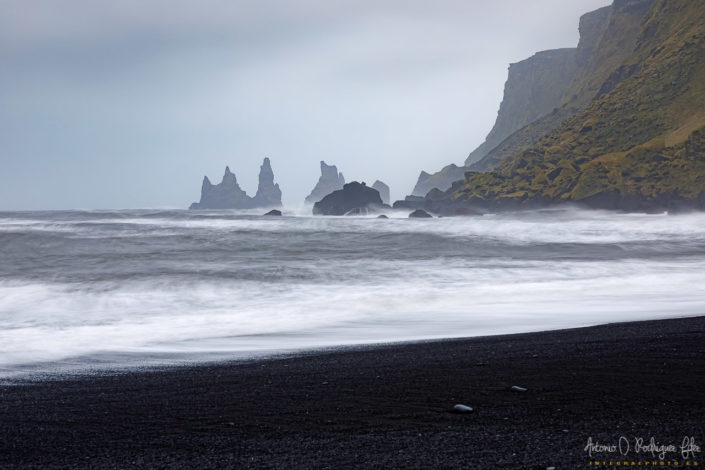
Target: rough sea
[{"x": 87, "y": 290}]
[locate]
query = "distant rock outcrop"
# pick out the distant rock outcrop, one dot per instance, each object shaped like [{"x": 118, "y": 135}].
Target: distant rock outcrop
[
  {"x": 441, "y": 180},
  {"x": 383, "y": 190},
  {"x": 228, "y": 195},
  {"x": 411, "y": 202},
  {"x": 355, "y": 198},
  {"x": 329, "y": 181}
]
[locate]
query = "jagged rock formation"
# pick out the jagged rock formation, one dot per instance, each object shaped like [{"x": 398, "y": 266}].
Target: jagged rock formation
[
  {"x": 355, "y": 198},
  {"x": 268, "y": 194},
  {"x": 329, "y": 181},
  {"x": 383, "y": 191},
  {"x": 225, "y": 195},
  {"x": 639, "y": 144},
  {"x": 228, "y": 194}
]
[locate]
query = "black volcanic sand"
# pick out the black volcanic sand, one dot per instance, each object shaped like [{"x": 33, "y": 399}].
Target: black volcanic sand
[{"x": 381, "y": 407}]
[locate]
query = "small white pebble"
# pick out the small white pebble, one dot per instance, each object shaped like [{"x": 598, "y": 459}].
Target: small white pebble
[{"x": 462, "y": 409}]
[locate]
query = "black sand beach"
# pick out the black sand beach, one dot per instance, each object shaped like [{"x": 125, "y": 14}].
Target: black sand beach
[{"x": 380, "y": 407}]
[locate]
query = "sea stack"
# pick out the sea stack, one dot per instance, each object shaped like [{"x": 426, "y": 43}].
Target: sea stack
[
  {"x": 225, "y": 195},
  {"x": 329, "y": 181},
  {"x": 383, "y": 191},
  {"x": 228, "y": 194},
  {"x": 268, "y": 193}
]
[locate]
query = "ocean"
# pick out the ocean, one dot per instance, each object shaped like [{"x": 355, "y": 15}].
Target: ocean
[{"x": 96, "y": 290}]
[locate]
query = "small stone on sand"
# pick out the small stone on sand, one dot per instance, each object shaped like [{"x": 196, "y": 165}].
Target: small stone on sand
[{"x": 462, "y": 409}]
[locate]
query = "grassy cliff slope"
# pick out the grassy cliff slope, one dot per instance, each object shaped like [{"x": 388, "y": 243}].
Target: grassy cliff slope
[{"x": 639, "y": 144}]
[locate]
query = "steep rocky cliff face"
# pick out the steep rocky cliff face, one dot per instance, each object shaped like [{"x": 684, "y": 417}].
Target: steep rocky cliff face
[
  {"x": 608, "y": 37},
  {"x": 329, "y": 181},
  {"x": 638, "y": 145},
  {"x": 534, "y": 87},
  {"x": 592, "y": 27},
  {"x": 228, "y": 194}
]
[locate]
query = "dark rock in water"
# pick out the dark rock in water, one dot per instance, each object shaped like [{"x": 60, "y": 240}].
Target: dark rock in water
[
  {"x": 268, "y": 194},
  {"x": 382, "y": 216},
  {"x": 353, "y": 197},
  {"x": 274, "y": 212},
  {"x": 383, "y": 190},
  {"x": 463, "y": 409},
  {"x": 225, "y": 195},
  {"x": 329, "y": 181},
  {"x": 228, "y": 194},
  {"x": 420, "y": 213}
]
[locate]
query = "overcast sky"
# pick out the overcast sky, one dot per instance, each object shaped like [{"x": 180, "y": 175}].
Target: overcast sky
[{"x": 128, "y": 104}]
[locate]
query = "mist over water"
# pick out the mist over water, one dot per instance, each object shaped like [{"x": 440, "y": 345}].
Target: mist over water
[{"x": 130, "y": 288}]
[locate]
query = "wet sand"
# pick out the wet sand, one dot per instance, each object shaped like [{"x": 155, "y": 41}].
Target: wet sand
[{"x": 378, "y": 407}]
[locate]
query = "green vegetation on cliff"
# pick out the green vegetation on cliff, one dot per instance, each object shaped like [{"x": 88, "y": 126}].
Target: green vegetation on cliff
[{"x": 643, "y": 137}]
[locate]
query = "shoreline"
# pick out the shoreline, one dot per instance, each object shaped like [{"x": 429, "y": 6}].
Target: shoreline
[
  {"x": 386, "y": 405},
  {"x": 98, "y": 365}
]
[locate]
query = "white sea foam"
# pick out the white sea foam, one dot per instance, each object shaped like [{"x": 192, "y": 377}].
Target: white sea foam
[{"x": 486, "y": 275}]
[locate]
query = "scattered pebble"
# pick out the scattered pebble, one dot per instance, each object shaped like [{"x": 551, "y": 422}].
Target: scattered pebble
[
  {"x": 462, "y": 409},
  {"x": 516, "y": 388}
]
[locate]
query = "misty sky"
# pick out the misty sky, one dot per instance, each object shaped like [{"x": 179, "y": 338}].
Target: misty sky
[{"x": 128, "y": 104}]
